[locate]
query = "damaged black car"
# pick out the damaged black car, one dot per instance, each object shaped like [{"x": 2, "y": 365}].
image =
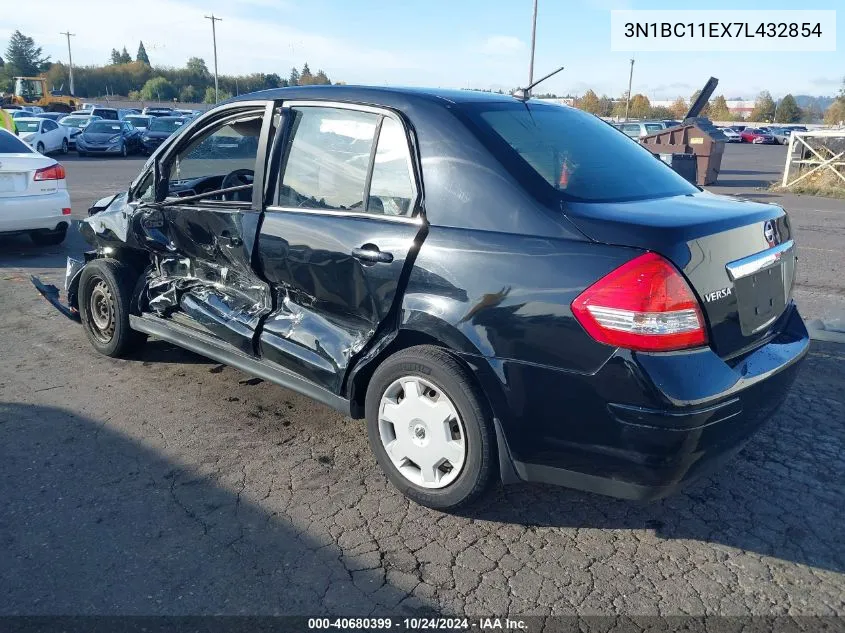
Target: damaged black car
[{"x": 503, "y": 288}]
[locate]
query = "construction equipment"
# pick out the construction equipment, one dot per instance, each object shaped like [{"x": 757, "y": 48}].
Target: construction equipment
[{"x": 33, "y": 91}]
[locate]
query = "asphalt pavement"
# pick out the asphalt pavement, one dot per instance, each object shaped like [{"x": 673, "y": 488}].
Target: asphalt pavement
[{"x": 169, "y": 484}]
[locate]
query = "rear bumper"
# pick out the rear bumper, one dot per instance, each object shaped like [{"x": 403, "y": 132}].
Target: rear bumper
[
  {"x": 29, "y": 213},
  {"x": 645, "y": 424}
]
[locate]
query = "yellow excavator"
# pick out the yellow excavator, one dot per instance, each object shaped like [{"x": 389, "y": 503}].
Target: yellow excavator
[{"x": 33, "y": 91}]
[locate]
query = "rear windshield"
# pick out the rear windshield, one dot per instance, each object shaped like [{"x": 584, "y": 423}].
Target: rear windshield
[
  {"x": 165, "y": 125},
  {"x": 27, "y": 126},
  {"x": 102, "y": 127},
  {"x": 578, "y": 154},
  {"x": 138, "y": 121},
  {"x": 10, "y": 144}
]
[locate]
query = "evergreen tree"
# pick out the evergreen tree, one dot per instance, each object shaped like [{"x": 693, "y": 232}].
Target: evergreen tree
[
  {"x": 142, "y": 54},
  {"x": 322, "y": 79},
  {"x": 293, "y": 80},
  {"x": 24, "y": 57},
  {"x": 114, "y": 58},
  {"x": 719, "y": 109},
  {"x": 764, "y": 108},
  {"x": 787, "y": 111},
  {"x": 305, "y": 77},
  {"x": 125, "y": 58}
]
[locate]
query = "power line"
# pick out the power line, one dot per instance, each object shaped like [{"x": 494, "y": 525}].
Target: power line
[
  {"x": 70, "y": 60},
  {"x": 214, "y": 37}
]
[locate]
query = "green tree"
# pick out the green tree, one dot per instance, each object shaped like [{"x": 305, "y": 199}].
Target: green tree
[
  {"x": 764, "y": 108},
  {"x": 125, "y": 57},
  {"x": 209, "y": 95},
  {"x": 188, "y": 94},
  {"x": 719, "y": 109},
  {"x": 660, "y": 112},
  {"x": 590, "y": 102},
  {"x": 158, "y": 89},
  {"x": 787, "y": 111},
  {"x": 293, "y": 79},
  {"x": 321, "y": 79},
  {"x": 142, "y": 55},
  {"x": 114, "y": 57},
  {"x": 24, "y": 57},
  {"x": 196, "y": 66}
]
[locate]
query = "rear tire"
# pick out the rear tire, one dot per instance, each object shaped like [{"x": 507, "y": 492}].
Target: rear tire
[
  {"x": 124, "y": 151},
  {"x": 105, "y": 295},
  {"x": 49, "y": 238},
  {"x": 470, "y": 437},
  {"x": 64, "y": 146},
  {"x": 39, "y": 148}
]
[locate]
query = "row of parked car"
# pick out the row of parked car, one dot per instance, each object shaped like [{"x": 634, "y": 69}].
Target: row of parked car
[
  {"x": 767, "y": 135},
  {"x": 98, "y": 130}
]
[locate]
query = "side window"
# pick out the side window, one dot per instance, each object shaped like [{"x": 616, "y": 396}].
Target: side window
[
  {"x": 631, "y": 129},
  {"x": 49, "y": 126},
  {"x": 220, "y": 158},
  {"x": 145, "y": 191},
  {"x": 328, "y": 158},
  {"x": 391, "y": 188}
]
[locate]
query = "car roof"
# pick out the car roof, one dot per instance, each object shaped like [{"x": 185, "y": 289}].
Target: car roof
[{"x": 375, "y": 94}]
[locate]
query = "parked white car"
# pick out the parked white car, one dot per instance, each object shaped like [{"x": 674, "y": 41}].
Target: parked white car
[
  {"x": 33, "y": 193},
  {"x": 731, "y": 135},
  {"x": 43, "y": 135}
]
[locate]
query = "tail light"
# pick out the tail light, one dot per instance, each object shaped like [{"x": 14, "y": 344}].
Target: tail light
[
  {"x": 53, "y": 172},
  {"x": 643, "y": 305}
]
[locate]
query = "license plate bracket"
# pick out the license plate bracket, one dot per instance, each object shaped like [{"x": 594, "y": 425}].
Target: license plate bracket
[{"x": 761, "y": 298}]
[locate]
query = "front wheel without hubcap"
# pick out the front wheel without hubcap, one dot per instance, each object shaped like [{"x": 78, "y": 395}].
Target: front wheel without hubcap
[
  {"x": 105, "y": 287},
  {"x": 429, "y": 428}
]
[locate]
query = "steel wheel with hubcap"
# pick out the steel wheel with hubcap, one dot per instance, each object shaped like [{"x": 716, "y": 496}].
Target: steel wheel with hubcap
[
  {"x": 422, "y": 432},
  {"x": 429, "y": 427}
]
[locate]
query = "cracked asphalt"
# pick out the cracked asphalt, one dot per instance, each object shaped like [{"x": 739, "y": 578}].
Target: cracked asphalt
[{"x": 169, "y": 484}]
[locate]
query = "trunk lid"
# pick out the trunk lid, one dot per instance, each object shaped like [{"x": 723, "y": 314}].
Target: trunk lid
[
  {"x": 17, "y": 172},
  {"x": 737, "y": 255}
]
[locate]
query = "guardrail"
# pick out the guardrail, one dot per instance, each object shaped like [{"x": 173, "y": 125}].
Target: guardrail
[{"x": 818, "y": 153}]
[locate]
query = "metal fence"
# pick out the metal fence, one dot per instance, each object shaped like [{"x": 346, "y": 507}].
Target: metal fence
[{"x": 815, "y": 155}]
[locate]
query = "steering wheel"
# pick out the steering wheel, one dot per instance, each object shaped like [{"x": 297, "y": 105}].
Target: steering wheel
[{"x": 238, "y": 178}]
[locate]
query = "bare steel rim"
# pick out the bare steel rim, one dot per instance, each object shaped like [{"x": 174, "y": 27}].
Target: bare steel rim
[
  {"x": 422, "y": 432},
  {"x": 101, "y": 311}
]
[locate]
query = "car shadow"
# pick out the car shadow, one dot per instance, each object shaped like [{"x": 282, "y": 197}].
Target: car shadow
[
  {"x": 18, "y": 250},
  {"x": 96, "y": 521},
  {"x": 745, "y": 183},
  {"x": 782, "y": 496}
]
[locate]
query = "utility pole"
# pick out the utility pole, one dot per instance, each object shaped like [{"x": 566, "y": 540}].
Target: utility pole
[
  {"x": 533, "y": 42},
  {"x": 630, "y": 80},
  {"x": 214, "y": 37},
  {"x": 70, "y": 60}
]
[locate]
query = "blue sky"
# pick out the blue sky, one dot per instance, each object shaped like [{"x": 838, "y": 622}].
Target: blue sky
[{"x": 451, "y": 43}]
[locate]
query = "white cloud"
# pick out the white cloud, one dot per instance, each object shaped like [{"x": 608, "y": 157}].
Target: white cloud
[{"x": 502, "y": 45}]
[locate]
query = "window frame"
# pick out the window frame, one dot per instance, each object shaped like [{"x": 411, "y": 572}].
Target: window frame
[
  {"x": 199, "y": 126},
  {"x": 280, "y": 154}
]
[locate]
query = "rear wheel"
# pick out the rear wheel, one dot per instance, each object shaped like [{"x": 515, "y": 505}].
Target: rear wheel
[
  {"x": 105, "y": 293},
  {"x": 39, "y": 148},
  {"x": 64, "y": 146},
  {"x": 49, "y": 238},
  {"x": 429, "y": 429},
  {"x": 124, "y": 151}
]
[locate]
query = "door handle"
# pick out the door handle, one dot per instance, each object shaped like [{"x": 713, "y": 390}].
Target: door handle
[
  {"x": 233, "y": 241},
  {"x": 370, "y": 254}
]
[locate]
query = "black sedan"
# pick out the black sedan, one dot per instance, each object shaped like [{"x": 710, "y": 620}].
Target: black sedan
[
  {"x": 502, "y": 288},
  {"x": 117, "y": 138},
  {"x": 159, "y": 129}
]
